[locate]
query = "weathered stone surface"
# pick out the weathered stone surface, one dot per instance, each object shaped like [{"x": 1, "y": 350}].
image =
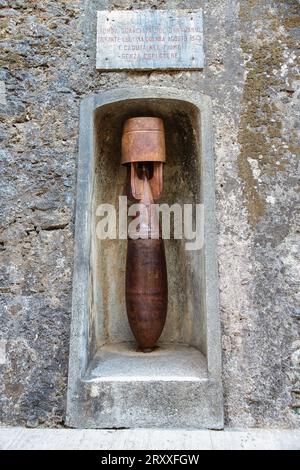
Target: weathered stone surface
[{"x": 48, "y": 65}]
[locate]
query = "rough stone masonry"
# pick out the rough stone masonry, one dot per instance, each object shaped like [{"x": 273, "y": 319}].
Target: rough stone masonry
[{"x": 47, "y": 65}]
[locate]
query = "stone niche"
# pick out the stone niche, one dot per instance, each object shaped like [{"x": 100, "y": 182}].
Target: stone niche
[{"x": 110, "y": 383}]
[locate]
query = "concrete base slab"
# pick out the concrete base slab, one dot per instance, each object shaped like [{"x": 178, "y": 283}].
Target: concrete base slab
[
  {"x": 148, "y": 439},
  {"x": 122, "y": 361}
]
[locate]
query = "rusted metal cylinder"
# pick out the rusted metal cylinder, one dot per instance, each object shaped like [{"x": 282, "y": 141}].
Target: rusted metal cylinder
[
  {"x": 143, "y": 148},
  {"x": 143, "y": 140},
  {"x": 146, "y": 290}
]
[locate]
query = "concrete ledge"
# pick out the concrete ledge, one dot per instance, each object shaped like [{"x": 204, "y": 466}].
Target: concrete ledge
[{"x": 147, "y": 439}]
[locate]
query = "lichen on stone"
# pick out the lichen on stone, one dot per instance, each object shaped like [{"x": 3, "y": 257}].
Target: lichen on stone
[{"x": 260, "y": 135}]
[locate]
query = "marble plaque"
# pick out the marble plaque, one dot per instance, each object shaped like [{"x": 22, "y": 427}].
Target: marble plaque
[{"x": 149, "y": 39}]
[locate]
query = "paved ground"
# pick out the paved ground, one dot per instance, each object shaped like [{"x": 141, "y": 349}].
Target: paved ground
[{"x": 162, "y": 439}]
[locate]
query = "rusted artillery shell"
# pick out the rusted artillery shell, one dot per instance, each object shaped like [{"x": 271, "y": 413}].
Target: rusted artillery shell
[
  {"x": 143, "y": 148},
  {"x": 143, "y": 140},
  {"x": 146, "y": 290}
]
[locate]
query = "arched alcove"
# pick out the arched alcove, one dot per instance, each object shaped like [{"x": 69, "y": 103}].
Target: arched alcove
[{"x": 110, "y": 383}]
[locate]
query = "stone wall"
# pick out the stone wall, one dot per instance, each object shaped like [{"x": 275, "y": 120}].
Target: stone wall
[{"x": 47, "y": 67}]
